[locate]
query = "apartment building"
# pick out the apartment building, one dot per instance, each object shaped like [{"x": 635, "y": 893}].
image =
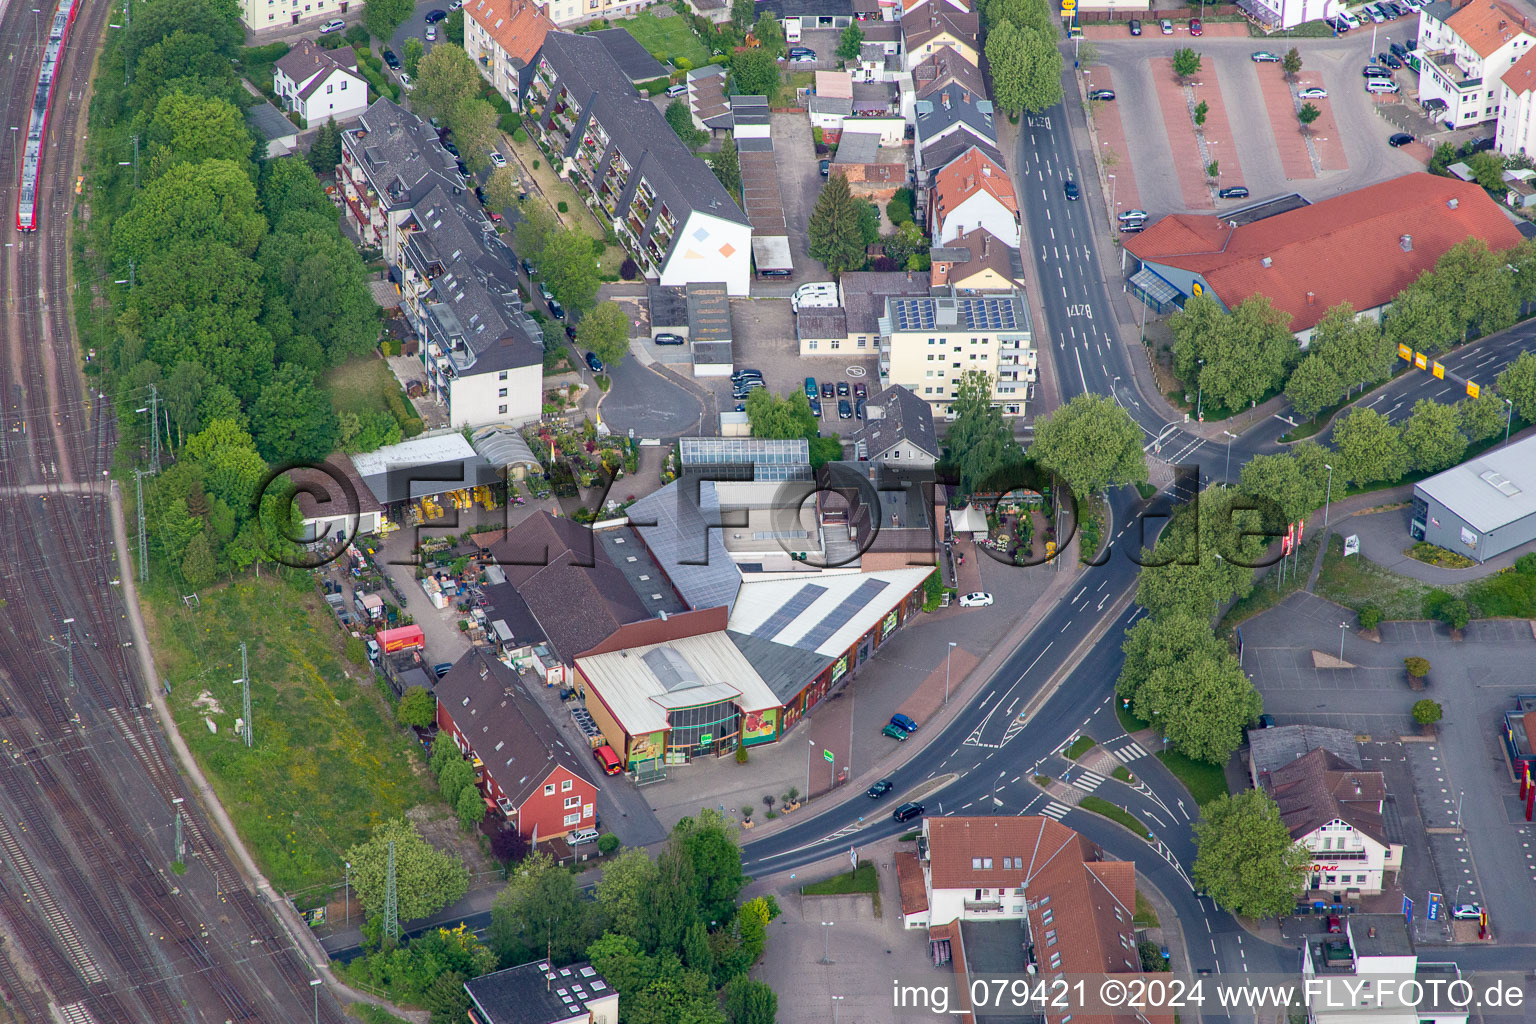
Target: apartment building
[
  {"x": 483, "y": 356},
  {"x": 948, "y": 121},
  {"x": 264, "y": 14},
  {"x": 936, "y": 26},
  {"x": 503, "y": 37},
  {"x": 973, "y": 193},
  {"x": 976, "y": 261},
  {"x": 389, "y": 160},
  {"x": 1362, "y": 973},
  {"x": 1464, "y": 53},
  {"x": 927, "y": 344},
  {"x": 671, "y": 212}
]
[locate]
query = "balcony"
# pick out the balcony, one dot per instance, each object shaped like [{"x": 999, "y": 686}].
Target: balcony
[
  {"x": 983, "y": 907},
  {"x": 1449, "y": 72},
  {"x": 1332, "y": 856}
]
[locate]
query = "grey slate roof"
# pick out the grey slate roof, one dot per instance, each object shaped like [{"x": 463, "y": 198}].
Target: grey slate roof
[
  {"x": 837, "y": 105},
  {"x": 306, "y": 60},
  {"x": 530, "y": 994},
  {"x": 1279, "y": 745},
  {"x": 475, "y": 307},
  {"x": 807, "y": 8},
  {"x": 864, "y": 293},
  {"x": 951, "y": 105},
  {"x": 822, "y": 324},
  {"x": 270, "y": 122},
  {"x": 1493, "y": 490},
  {"x": 858, "y": 148},
  {"x": 632, "y": 58},
  {"x": 903, "y": 419},
  {"x": 400, "y": 153}
]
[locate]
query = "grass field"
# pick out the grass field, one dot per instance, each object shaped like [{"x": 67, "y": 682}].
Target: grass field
[
  {"x": 1079, "y": 747},
  {"x": 666, "y": 39},
  {"x": 328, "y": 761},
  {"x": 362, "y": 385},
  {"x": 1122, "y": 774},
  {"x": 861, "y": 880},
  {"x": 1146, "y": 917},
  {"x": 1098, "y": 805},
  {"x": 1205, "y": 782},
  {"x": 1354, "y": 582},
  {"x": 1128, "y": 722}
]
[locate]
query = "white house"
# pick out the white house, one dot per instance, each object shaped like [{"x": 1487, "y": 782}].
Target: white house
[
  {"x": 1335, "y": 810},
  {"x": 1272, "y": 14},
  {"x": 320, "y": 85},
  {"x": 974, "y": 192},
  {"x": 1362, "y": 975},
  {"x": 1463, "y": 56}
]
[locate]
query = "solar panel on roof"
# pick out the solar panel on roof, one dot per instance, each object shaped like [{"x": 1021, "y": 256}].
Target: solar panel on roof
[
  {"x": 840, "y": 616},
  {"x": 789, "y": 611}
]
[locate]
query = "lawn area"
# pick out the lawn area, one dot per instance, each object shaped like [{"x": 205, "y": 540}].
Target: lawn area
[
  {"x": 363, "y": 385},
  {"x": 328, "y": 761},
  {"x": 666, "y": 38},
  {"x": 1354, "y": 582},
  {"x": 1145, "y": 917},
  {"x": 861, "y": 880},
  {"x": 1268, "y": 591},
  {"x": 1129, "y": 722},
  {"x": 1122, "y": 774},
  {"x": 1098, "y": 805},
  {"x": 1205, "y": 782},
  {"x": 1080, "y": 746}
]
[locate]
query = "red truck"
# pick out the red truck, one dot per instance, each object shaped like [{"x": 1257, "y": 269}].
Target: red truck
[{"x": 401, "y": 639}]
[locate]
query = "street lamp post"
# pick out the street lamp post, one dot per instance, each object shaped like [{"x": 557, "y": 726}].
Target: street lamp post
[
  {"x": 947, "y": 653},
  {"x": 1112, "y": 185},
  {"x": 1342, "y": 627},
  {"x": 347, "y": 891},
  {"x": 314, "y": 983},
  {"x": 1230, "y": 438},
  {"x": 811, "y": 750},
  {"x": 826, "y": 944},
  {"x": 1199, "y": 395},
  {"x": 836, "y": 1002},
  {"x": 1509, "y": 418},
  {"x": 1327, "y": 495}
]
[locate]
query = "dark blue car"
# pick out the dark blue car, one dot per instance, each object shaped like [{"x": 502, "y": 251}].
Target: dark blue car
[{"x": 903, "y": 722}]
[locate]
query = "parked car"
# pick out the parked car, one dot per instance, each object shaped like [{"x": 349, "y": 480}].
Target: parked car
[
  {"x": 1315, "y": 92},
  {"x": 1399, "y": 139},
  {"x": 391, "y": 60},
  {"x": 1335, "y": 924},
  {"x": 1400, "y": 50},
  {"x": 570, "y": 331},
  {"x": 674, "y": 91},
  {"x": 843, "y": 389},
  {"x": 528, "y": 267},
  {"x": 431, "y": 33},
  {"x": 880, "y": 788},
  {"x": 556, "y": 310},
  {"x": 1265, "y": 57},
  {"x": 1266, "y": 721},
  {"x": 800, "y": 51},
  {"x": 858, "y": 407},
  {"x": 894, "y": 733},
  {"x": 1389, "y": 60},
  {"x": 448, "y": 144},
  {"x": 976, "y": 600},
  {"x": 904, "y": 722},
  {"x": 1195, "y": 28},
  {"x": 436, "y": 15},
  {"x": 1166, "y": 26},
  {"x": 582, "y": 835},
  {"x": 825, "y": 167},
  {"x": 810, "y": 387},
  {"x": 1071, "y": 191},
  {"x": 908, "y": 811},
  {"x": 609, "y": 760},
  {"x": 334, "y": 25},
  {"x": 1375, "y": 71},
  {"x": 545, "y": 292},
  {"x": 1349, "y": 19},
  {"x": 1373, "y": 14},
  {"x": 1381, "y": 85},
  {"x": 668, "y": 339},
  {"x": 827, "y": 390},
  {"x": 804, "y": 58},
  {"x": 1134, "y": 215},
  {"x": 1135, "y": 27},
  {"x": 1339, "y": 25},
  {"x": 844, "y": 409},
  {"x": 595, "y": 363},
  {"x": 747, "y": 371},
  {"x": 1102, "y": 94},
  {"x": 1235, "y": 192},
  {"x": 816, "y": 407},
  {"x": 497, "y": 160},
  {"x": 405, "y": 81},
  {"x": 1467, "y": 912}
]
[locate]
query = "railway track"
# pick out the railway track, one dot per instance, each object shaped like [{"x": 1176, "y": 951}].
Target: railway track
[{"x": 85, "y": 895}]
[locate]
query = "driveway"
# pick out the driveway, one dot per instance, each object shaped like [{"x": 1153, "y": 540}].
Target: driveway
[{"x": 799, "y": 185}]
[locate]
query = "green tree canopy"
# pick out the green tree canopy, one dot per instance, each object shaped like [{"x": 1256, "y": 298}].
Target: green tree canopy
[
  {"x": 417, "y": 707},
  {"x": 231, "y": 467},
  {"x": 1369, "y": 448},
  {"x": 727, "y": 167},
  {"x": 1296, "y": 481},
  {"x": 415, "y": 49},
  {"x": 1091, "y": 443},
  {"x": 569, "y": 267},
  {"x": 1246, "y": 858},
  {"x": 1008, "y": 59},
  {"x": 605, "y": 330},
  {"x": 190, "y": 129},
  {"x": 469, "y": 808},
  {"x": 1291, "y": 62},
  {"x": 1186, "y": 62},
  {"x": 1482, "y": 417},
  {"x": 1353, "y": 347},
  {"x": 750, "y": 1002},
  {"x": 849, "y": 42},
  {"x": 979, "y": 441},
  {"x": 1043, "y": 61},
  {"x": 446, "y": 78},
  {"x": 836, "y": 235},
  {"x": 1517, "y": 383},
  {"x": 677, "y": 115},
  {"x": 1194, "y": 570},
  {"x": 536, "y": 227},
  {"x": 1313, "y": 386},
  {"x": 501, "y": 189},
  {"x": 540, "y": 910},
  {"x": 1420, "y": 318},
  {"x": 755, "y": 72},
  {"x": 770, "y": 34},
  {"x": 212, "y": 202},
  {"x": 624, "y": 890},
  {"x": 1433, "y": 436},
  {"x": 293, "y": 420},
  {"x": 289, "y": 186},
  {"x": 426, "y": 880},
  {"x": 474, "y": 130},
  {"x": 382, "y": 17}
]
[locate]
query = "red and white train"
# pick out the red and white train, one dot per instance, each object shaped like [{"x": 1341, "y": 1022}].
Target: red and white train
[{"x": 37, "y": 130}]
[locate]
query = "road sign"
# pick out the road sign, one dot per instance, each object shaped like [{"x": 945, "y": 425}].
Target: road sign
[{"x": 826, "y": 755}]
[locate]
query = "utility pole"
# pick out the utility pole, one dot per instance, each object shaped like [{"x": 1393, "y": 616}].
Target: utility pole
[
  {"x": 138, "y": 486},
  {"x": 391, "y": 900},
  {"x": 245, "y": 693},
  {"x": 135, "y": 163},
  {"x": 69, "y": 650},
  {"x": 181, "y": 852},
  {"x": 154, "y": 427}
]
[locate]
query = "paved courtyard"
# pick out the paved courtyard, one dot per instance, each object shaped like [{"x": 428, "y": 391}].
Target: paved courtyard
[{"x": 1460, "y": 781}]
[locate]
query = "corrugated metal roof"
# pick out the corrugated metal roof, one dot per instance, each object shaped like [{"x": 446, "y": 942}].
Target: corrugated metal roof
[
  {"x": 1493, "y": 490},
  {"x": 694, "y": 670},
  {"x": 849, "y": 606}
]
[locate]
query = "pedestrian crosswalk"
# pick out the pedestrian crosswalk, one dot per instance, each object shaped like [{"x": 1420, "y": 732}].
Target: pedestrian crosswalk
[
  {"x": 1055, "y": 810},
  {"x": 1130, "y": 752},
  {"x": 1087, "y": 781}
]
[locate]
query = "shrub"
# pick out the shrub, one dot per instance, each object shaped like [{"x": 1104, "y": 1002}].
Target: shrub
[
  {"x": 1449, "y": 609},
  {"x": 535, "y": 165},
  {"x": 741, "y": 753},
  {"x": 562, "y": 206},
  {"x": 1370, "y": 616},
  {"x": 607, "y": 844},
  {"x": 510, "y": 123},
  {"x": 519, "y": 135},
  {"x": 1526, "y": 564},
  {"x": 1427, "y": 712},
  {"x": 357, "y": 35},
  {"x": 629, "y": 270},
  {"x": 1416, "y": 667},
  {"x": 656, "y": 86},
  {"x": 356, "y": 652},
  {"x": 330, "y": 42}
]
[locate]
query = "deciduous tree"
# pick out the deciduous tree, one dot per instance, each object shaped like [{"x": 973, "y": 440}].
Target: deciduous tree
[
  {"x": 1433, "y": 436},
  {"x": 1042, "y": 88},
  {"x": 445, "y": 79},
  {"x": 727, "y": 167},
  {"x": 293, "y": 420},
  {"x": 213, "y": 201},
  {"x": 755, "y": 72},
  {"x": 536, "y": 226},
  {"x": 569, "y": 267},
  {"x": 1353, "y": 347},
  {"x": 382, "y": 17},
  {"x": 623, "y": 891},
  {"x": 1307, "y": 114},
  {"x": 1421, "y": 318},
  {"x": 426, "y": 880},
  {"x": 232, "y": 469},
  {"x": 750, "y": 1002},
  {"x": 417, "y": 708},
  {"x": 190, "y": 129},
  {"x": 1291, "y": 62},
  {"x": 770, "y": 35},
  {"x": 1246, "y": 858},
  {"x": 681, "y": 120},
  {"x": 1091, "y": 443},
  {"x": 501, "y": 189},
  {"x": 605, "y": 330},
  {"x": 979, "y": 440},
  {"x": 850, "y": 41},
  {"x": 1291, "y": 480},
  {"x": 1370, "y": 448},
  {"x": 1517, "y": 382},
  {"x": 198, "y": 567},
  {"x": 1313, "y": 386},
  {"x": 414, "y": 49},
  {"x": 539, "y": 913},
  {"x": 1482, "y": 417},
  {"x": 1009, "y": 63},
  {"x": 469, "y": 808},
  {"x": 1186, "y": 62}
]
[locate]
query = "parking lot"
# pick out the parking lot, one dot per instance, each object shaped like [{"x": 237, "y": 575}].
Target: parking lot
[{"x": 1251, "y": 130}]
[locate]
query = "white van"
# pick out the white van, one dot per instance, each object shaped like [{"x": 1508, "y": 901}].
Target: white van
[
  {"x": 791, "y": 30},
  {"x": 815, "y": 295},
  {"x": 1380, "y": 85}
]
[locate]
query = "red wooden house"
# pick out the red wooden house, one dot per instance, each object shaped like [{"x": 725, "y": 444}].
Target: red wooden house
[{"x": 526, "y": 771}]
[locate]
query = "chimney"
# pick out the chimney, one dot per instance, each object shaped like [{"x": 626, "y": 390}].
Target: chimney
[
  {"x": 1371, "y": 931},
  {"x": 1406, "y": 241},
  {"x": 1267, "y": 262},
  {"x": 986, "y": 243},
  {"x": 1311, "y": 298},
  {"x": 1453, "y": 203}
]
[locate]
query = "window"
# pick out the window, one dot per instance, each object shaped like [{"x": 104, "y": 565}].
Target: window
[
  {"x": 501, "y": 393},
  {"x": 549, "y": 790},
  {"x": 501, "y": 409},
  {"x": 572, "y": 801},
  {"x": 565, "y": 787},
  {"x": 1048, "y": 916},
  {"x": 811, "y": 345},
  {"x": 502, "y": 375},
  {"x": 975, "y": 863},
  {"x": 986, "y": 863},
  {"x": 343, "y": 85},
  {"x": 836, "y": 344},
  {"x": 572, "y": 819}
]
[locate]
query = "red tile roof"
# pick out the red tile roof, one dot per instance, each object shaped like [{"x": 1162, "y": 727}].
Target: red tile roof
[
  {"x": 987, "y": 252},
  {"x": 1521, "y": 76},
  {"x": 909, "y": 879},
  {"x": 1363, "y": 247},
  {"x": 517, "y": 26},
  {"x": 962, "y": 178},
  {"x": 1486, "y": 25},
  {"x": 1033, "y": 842}
]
